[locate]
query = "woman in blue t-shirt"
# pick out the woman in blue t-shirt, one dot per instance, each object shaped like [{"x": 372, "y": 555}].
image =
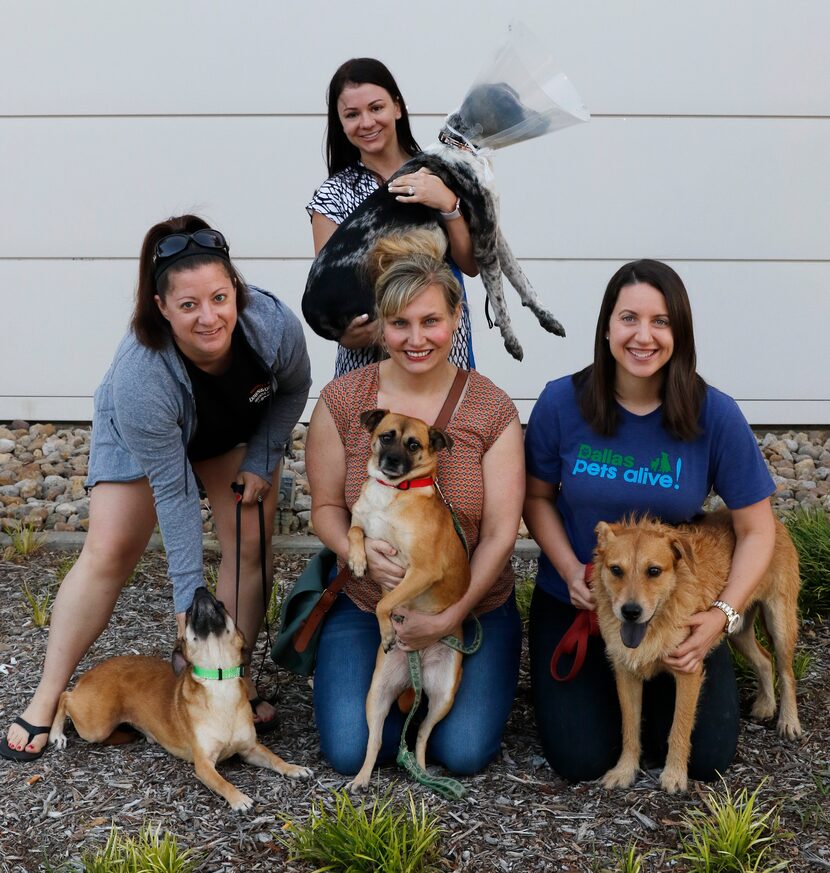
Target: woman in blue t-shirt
[{"x": 637, "y": 431}]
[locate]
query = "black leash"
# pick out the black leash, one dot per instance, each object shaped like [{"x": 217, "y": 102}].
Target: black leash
[{"x": 238, "y": 490}]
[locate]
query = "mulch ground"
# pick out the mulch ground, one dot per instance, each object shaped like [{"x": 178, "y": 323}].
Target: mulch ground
[{"x": 518, "y": 814}]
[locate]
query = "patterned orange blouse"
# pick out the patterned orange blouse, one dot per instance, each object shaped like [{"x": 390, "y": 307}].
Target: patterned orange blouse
[{"x": 480, "y": 418}]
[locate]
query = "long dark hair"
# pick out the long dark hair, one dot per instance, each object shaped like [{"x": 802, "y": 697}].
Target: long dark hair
[
  {"x": 340, "y": 153},
  {"x": 682, "y": 390},
  {"x": 148, "y": 324}
]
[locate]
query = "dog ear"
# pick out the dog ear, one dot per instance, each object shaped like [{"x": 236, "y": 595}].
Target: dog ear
[
  {"x": 682, "y": 550},
  {"x": 177, "y": 657},
  {"x": 439, "y": 440},
  {"x": 371, "y": 418},
  {"x": 604, "y": 534}
]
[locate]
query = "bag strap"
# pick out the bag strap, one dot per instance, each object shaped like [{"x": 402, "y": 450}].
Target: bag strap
[
  {"x": 454, "y": 395},
  {"x": 325, "y": 602}
]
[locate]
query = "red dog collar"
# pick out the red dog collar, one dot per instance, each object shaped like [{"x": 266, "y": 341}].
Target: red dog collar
[{"x": 410, "y": 483}]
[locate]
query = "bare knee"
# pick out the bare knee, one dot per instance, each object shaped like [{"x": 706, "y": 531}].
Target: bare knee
[{"x": 112, "y": 560}]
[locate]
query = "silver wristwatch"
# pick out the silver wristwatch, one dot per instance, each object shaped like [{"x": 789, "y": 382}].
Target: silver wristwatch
[{"x": 733, "y": 618}]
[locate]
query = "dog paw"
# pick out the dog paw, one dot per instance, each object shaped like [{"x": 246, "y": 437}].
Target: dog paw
[
  {"x": 358, "y": 784},
  {"x": 763, "y": 709},
  {"x": 357, "y": 565},
  {"x": 674, "y": 781},
  {"x": 790, "y": 729},
  {"x": 620, "y": 777},
  {"x": 241, "y": 803},
  {"x": 295, "y": 771},
  {"x": 58, "y": 739}
]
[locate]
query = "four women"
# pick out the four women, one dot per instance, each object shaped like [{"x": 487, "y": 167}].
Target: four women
[{"x": 205, "y": 390}]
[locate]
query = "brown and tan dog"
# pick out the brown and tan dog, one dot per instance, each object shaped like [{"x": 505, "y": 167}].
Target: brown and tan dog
[
  {"x": 649, "y": 578},
  {"x": 400, "y": 504},
  {"x": 203, "y": 720}
]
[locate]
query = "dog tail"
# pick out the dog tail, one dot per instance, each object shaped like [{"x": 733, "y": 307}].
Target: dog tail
[{"x": 56, "y": 734}]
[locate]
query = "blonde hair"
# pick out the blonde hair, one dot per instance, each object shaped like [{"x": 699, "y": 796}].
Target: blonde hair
[{"x": 403, "y": 265}]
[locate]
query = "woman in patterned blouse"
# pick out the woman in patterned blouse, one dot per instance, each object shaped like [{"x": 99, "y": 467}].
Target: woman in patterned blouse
[
  {"x": 368, "y": 138},
  {"x": 418, "y": 305}
]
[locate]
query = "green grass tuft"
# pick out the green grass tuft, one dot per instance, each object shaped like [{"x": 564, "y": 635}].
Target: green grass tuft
[
  {"x": 370, "y": 838},
  {"x": 731, "y": 834},
  {"x": 524, "y": 594},
  {"x": 40, "y": 605},
  {"x": 26, "y": 539},
  {"x": 810, "y": 531},
  {"x": 627, "y": 859},
  {"x": 150, "y": 852}
]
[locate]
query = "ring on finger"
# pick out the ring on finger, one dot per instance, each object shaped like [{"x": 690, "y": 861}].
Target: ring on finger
[{"x": 411, "y": 191}]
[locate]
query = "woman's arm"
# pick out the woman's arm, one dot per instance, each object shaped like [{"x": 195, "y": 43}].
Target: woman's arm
[
  {"x": 291, "y": 369},
  {"x": 754, "y": 541},
  {"x": 325, "y": 461},
  {"x": 322, "y": 229},
  {"x": 431, "y": 191},
  {"x": 503, "y": 474},
  {"x": 545, "y": 526}
]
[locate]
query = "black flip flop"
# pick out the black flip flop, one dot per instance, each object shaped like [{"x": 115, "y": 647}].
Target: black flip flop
[
  {"x": 263, "y": 727},
  {"x": 33, "y": 731}
]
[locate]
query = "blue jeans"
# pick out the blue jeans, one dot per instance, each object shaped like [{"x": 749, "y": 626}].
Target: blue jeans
[{"x": 470, "y": 735}]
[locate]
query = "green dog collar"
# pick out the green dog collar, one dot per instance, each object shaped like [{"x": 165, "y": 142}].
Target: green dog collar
[{"x": 220, "y": 672}]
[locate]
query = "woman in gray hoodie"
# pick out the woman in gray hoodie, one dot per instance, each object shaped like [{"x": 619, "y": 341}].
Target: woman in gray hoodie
[{"x": 204, "y": 389}]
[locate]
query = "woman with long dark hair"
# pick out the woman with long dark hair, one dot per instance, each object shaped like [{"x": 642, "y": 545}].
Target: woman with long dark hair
[
  {"x": 368, "y": 138},
  {"x": 204, "y": 389},
  {"x": 641, "y": 404}
]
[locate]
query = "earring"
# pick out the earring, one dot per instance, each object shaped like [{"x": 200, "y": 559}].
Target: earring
[{"x": 607, "y": 336}]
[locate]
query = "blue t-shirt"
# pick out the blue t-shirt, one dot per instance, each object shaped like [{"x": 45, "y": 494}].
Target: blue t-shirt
[{"x": 641, "y": 468}]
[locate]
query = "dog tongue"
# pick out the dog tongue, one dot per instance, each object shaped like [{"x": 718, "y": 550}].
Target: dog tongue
[{"x": 632, "y": 634}]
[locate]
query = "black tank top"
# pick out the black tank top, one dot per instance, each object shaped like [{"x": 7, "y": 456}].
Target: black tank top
[{"x": 229, "y": 406}]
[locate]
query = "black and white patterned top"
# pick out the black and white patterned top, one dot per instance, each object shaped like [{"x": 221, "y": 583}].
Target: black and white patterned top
[{"x": 336, "y": 199}]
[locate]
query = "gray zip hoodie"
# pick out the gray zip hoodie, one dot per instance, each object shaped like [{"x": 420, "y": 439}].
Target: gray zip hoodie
[{"x": 145, "y": 415}]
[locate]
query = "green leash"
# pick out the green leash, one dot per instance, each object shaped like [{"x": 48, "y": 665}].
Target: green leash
[{"x": 447, "y": 787}]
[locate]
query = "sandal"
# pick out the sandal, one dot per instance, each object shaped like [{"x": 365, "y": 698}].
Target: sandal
[
  {"x": 263, "y": 727},
  {"x": 6, "y": 751}
]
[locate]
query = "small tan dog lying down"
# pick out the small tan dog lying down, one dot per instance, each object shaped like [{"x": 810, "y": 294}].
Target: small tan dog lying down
[
  {"x": 649, "y": 578},
  {"x": 199, "y": 719}
]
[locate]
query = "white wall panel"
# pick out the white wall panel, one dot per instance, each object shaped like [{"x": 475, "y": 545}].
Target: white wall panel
[
  {"x": 615, "y": 187},
  {"x": 761, "y": 331},
  {"x": 708, "y": 148},
  {"x": 745, "y": 57}
]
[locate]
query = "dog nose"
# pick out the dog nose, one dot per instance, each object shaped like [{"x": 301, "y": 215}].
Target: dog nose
[{"x": 631, "y": 611}]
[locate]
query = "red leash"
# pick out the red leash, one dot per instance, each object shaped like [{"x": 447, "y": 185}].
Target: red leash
[{"x": 576, "y": 638}]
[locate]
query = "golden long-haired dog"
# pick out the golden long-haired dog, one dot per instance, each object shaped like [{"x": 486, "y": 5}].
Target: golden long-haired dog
[{"x": 649, "y": 578}]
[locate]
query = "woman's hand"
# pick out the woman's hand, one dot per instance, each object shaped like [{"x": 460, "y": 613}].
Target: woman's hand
[
  {"x": 381, "y": 569},
  {"x": 419, "y": 629},
  {"x": 255, "y": 488},
  {"x": 423, "y": 187},
  {"x": 705, "y": 627},
  {"x": 359, "y": 334},
  {"x": 581, "y": 595}
]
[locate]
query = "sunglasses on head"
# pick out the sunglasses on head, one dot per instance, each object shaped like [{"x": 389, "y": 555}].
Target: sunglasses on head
[{"x": 205, "y": 238}]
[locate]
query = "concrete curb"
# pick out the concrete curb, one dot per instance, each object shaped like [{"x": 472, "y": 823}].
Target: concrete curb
[{"x": 72, "y": 541}]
